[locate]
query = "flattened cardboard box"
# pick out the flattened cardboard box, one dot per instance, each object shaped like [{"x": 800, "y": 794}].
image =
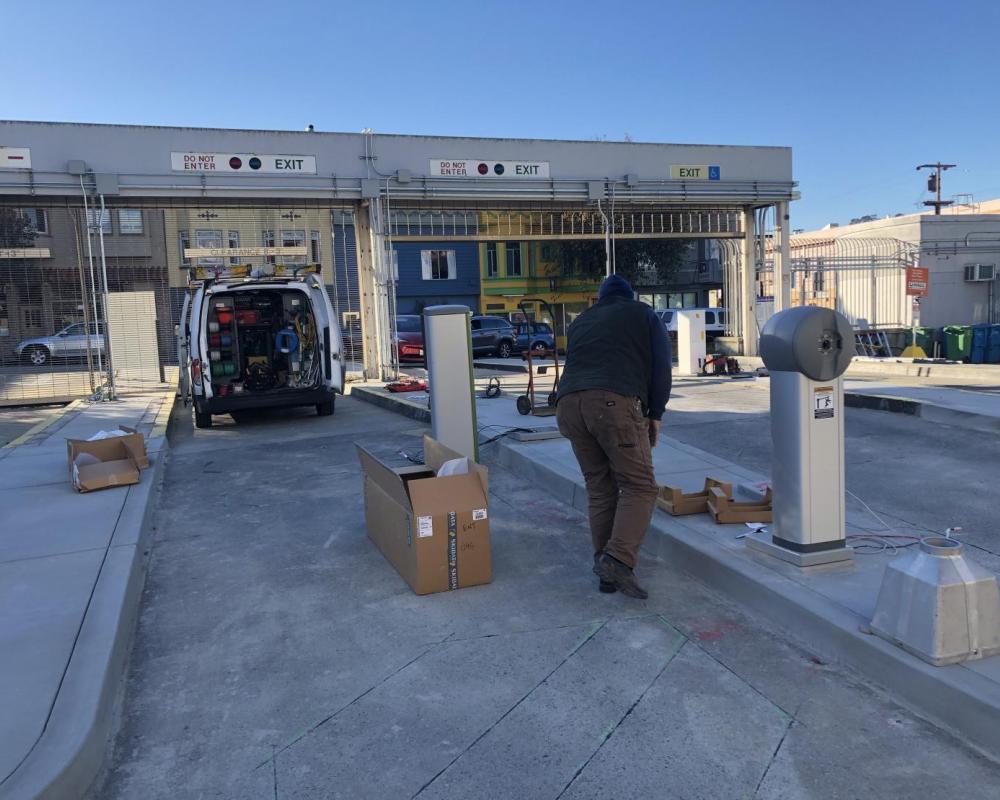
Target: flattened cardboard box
[
  {"x": 434, "y": 531},
  {"x": 120, "y": 459}
]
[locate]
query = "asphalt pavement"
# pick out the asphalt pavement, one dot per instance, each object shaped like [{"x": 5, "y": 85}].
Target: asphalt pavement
[{"x": 278, "y": 655}]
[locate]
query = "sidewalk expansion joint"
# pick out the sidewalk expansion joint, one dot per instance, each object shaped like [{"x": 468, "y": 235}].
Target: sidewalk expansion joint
[
  {"x": 317, "y": 725},
  {"x": 595, "y": 629},
  {"x": 682, "y": 640},
  {"x": 774, "y": 757}
]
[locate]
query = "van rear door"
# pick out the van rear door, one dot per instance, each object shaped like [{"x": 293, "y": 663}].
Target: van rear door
[
  {"x": 331, "y": 342},
  {"x": 184, "y": 348}
]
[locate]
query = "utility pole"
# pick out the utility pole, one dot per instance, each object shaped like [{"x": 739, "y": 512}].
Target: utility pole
[{"x": 934, "y": 185}]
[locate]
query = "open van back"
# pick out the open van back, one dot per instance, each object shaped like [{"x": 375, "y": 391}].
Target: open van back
[{"x": 258, "y": 342}]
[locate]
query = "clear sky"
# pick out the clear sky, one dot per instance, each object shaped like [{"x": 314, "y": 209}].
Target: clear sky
[{"x": 863, "y": 91}]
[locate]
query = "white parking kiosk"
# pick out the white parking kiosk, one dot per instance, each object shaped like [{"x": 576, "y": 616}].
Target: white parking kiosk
[
  {"x": 448, "y": 345},
  {"x": 690, "y": 342},
  {"x": 806, "y": 351}
]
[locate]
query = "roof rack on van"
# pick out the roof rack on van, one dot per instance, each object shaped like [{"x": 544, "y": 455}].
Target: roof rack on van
[{"x": 250, "y": 272}]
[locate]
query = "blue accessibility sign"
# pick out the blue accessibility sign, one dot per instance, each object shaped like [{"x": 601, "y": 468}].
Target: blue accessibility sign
[{"x": 714, "y": 173}]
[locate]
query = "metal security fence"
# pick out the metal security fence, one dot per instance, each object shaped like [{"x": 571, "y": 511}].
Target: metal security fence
[
  {"x": 89, "y": 297},
  {"x": 863, "y": 279}
]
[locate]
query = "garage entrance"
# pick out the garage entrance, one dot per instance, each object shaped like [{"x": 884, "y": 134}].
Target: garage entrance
[{"x": 98, "y": 211}]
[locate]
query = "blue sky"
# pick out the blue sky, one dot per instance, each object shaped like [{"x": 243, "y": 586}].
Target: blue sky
[{"x": 863, "y": 91}]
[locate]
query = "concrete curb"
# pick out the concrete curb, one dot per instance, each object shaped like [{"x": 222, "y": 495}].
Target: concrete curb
[
  {"x": 956, "y": 698},
  {"x": 71, "y": 750},
  {"x": 932, "y": 412},
  {"x": 398, "y": 404}
]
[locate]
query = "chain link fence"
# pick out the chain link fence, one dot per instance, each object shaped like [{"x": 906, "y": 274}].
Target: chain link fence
[{"x": 90, "y": 296}]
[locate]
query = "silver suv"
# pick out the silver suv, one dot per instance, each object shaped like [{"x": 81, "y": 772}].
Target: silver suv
[{"x": 70, "y": 342}]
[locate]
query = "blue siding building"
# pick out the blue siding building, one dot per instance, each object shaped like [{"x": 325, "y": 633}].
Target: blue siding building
[{"x": 437, "y": 273}]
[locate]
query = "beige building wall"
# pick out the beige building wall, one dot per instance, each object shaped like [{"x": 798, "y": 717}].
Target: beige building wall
[{"x": 245, "y": 227}]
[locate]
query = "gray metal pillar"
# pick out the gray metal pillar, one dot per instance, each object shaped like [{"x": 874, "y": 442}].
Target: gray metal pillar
[
  {"x": 782, "y": 258},
  {"x": 748, "y": 331},
  {"x": 368, "y": 296}
]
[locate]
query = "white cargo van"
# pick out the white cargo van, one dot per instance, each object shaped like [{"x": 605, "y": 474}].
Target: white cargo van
[
  {"x": 715, "y": 320},
  {"x": 259, "y": 342}
]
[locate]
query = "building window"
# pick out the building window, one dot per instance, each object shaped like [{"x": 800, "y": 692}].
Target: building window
[
  {"x": 492, "y": 268},
  {"x": 209, "y": 239},
  {"x": 293, "y": 239},
  {"x": 267, "y": 240},
  {"x": 35, "y": 217},
  {"x": 129, "y": 221},
  {"x": 513, "y": 259},
  {"x": 183, "y": 243},
  {"x": 315, "y": 248},
  {"x": 819, "y": 283},
  {"x": 438, "y": 265},
  {"x": 32, "y": 318},
  {"x": 234, "y": 243},
  {"x": 95, "y": 214},
  {"x": 4, "y": 319}
]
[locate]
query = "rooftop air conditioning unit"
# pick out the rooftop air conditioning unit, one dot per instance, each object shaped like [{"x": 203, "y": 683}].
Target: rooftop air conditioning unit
[{"x": 980, "y": 272}]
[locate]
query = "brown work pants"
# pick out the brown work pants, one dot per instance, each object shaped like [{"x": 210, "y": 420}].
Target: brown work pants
[{"x": 610, "y": 439}]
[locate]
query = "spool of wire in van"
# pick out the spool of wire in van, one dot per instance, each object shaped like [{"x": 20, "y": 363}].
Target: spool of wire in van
[
  {"x": 215, "y": 355},
  {"x": 213, "y": 327}
]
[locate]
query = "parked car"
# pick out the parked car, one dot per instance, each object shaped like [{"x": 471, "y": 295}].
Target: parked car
[
  {"x": 410, "y": 339},
  {"x": 70, "y": 342},
  {"x": 534, "y": 336},
  {"x": 493, "y": 336},
  {"x": 715, "y": 320}
]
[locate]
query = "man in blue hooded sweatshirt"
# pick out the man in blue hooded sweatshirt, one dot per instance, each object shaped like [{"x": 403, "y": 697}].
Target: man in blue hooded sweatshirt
[{"x": 612, "y": 395}]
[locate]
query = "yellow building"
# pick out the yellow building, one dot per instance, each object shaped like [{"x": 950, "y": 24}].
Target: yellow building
[{"x": 512, "y": 272}]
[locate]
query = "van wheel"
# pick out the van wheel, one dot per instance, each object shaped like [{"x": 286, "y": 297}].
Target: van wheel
[
  {"x": 202, "y": 419},
  {"x": 325, "y": 409},
  {"x": 505, "y": 349}
]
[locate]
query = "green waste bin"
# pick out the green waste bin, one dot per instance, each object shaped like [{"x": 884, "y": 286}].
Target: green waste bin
[
  {"x": 925, "y": 340},
  {"x": 957, "y": 342}
]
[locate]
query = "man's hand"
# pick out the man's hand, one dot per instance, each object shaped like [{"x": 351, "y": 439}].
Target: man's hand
[{"x": 654, "y": 431}]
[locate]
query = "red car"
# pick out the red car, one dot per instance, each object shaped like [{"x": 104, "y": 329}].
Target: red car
[{"x": 410, "y": 339}]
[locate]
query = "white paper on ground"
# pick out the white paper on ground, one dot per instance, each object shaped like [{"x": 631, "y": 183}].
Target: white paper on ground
[{"x": 107, "y": 435}]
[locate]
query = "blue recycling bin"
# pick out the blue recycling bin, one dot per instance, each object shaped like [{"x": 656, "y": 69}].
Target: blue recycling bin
[
  {"x": 993, "y": 346},
  {"x": 980, "y": 343}
]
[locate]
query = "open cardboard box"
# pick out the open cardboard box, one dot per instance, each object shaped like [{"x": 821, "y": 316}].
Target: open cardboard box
[
  {"x": 434, "y": 530},
  {"x": 119, "y": 460},
  {"x": 675, "y": 502},
  {"x": 725, "y": 510}
]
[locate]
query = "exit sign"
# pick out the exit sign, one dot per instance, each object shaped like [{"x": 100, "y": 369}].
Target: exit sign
[{"x": 695, "y": 172}]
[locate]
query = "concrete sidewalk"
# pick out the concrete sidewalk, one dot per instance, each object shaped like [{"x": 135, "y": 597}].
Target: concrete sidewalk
[
  {"x": 974, "y": 407},
  {"x": 71, "y": 567}
]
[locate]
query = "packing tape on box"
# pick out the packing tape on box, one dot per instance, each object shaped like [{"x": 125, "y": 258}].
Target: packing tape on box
[{"x": 452, "y": 550}]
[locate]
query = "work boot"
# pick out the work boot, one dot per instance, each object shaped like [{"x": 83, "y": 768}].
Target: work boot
[
  {"x": 609, "y": 569},
  {"x": 606, "y": 587}
]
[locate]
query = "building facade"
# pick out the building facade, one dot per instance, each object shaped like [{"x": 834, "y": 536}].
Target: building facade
[{"x": 436, "y": 273}]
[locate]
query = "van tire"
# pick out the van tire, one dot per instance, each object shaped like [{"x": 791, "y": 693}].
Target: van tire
[
  {"x": 326, "y": 409},
  {"x": 202, "y": 419}
]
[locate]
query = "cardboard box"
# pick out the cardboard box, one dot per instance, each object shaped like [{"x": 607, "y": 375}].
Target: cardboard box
[
  {"x": 434, "y": 530},
  {"x": 675, "y": 502},
  {"x": 726, "y": 511},
  {"x": 118, "y": 460}
]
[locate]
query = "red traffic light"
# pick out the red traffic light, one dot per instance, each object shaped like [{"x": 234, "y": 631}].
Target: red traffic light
[{"x": 235, "y": 163}]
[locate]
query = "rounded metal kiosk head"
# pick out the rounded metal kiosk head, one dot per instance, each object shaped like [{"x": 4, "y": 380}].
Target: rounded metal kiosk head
[{"x": 816, "y": 342}]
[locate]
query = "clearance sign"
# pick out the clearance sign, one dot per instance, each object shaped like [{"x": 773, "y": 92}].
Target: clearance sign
[
  {"x": 487, "y": 168},
  {"x": 245, "y": 163}
]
